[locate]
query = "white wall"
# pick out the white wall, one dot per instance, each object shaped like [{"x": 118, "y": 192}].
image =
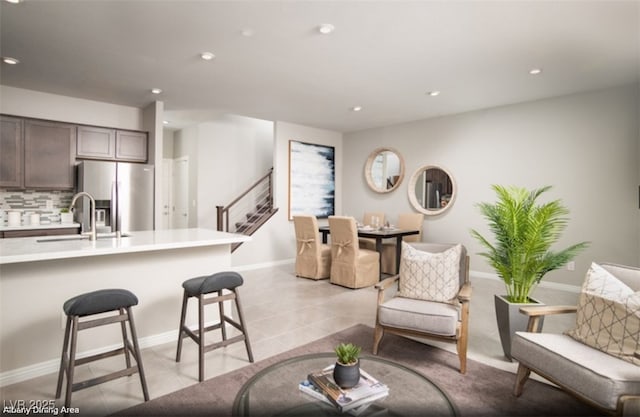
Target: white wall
[
  {"x": 29, "y": 103},
  {"x": 585, "y": 145},
  {"x": 233, "y": 153},
  {"x": 275, "y": 241}
]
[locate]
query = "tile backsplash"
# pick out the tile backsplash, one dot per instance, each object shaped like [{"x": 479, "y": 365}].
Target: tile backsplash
[{"x": 47, "y": 203}]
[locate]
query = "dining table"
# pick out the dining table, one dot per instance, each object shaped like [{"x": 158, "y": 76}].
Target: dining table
[{"x": 379, "y": 234}]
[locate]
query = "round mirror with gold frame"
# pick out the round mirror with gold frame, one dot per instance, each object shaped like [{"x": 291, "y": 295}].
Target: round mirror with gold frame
[
  {"x": 384, "y": 170},
  {"x": 432, "y": 190}
]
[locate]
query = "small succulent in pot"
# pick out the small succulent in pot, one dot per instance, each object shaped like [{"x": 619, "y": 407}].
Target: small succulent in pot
[
  {"x": 346, "y": 372},
  {"x": 347, "y": 353}
]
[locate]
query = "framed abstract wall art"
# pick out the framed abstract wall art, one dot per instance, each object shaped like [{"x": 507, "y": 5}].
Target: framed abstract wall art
[{"x": 312, "y": 181}]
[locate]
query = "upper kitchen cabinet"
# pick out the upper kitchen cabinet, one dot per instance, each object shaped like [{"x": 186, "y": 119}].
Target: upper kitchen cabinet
[
  {"x": 11, "y": 152},
  {"x": 49, "y": 155},
  {"x": 111, "y": 144},
  {"x": 96, "y": 142},
  {"x": 131, "y": 146}
]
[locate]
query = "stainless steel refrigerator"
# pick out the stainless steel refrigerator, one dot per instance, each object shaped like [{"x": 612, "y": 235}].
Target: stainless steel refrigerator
[{"x": 124, "y": 194}]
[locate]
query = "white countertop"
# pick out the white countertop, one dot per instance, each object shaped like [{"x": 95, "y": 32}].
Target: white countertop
[
  {"x": 5, "y": 228},
  {"x": 29, "y": 249}
]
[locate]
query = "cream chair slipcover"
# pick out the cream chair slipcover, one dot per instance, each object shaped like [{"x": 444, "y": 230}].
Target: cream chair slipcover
[
  {"x": 367, "y": 220},
  {"x": 597, "y": 378},
  {"x": 313, "y": 259},
  {"x": 406, "y": 221},
  {"x": 444, "y": 321},
  {"x": 351, "y": 266}
]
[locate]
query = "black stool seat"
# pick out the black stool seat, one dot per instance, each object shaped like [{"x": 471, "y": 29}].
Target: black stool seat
[
  {"x": 99, "y": 301},
  {"x": 225, "y": 285},
  {"x": 211, "y": 283},
  {"x": 78, "y": 310}
]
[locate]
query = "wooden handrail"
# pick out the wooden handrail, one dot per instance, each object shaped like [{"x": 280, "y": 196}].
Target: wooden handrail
[
  {"x": 268, "y": 175},
  {"x": 223, "y": 221}
]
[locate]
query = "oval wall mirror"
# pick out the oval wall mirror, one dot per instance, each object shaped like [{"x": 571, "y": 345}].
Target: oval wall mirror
[
  {"x": 432, "y": 190},
  {"x": 384, "y": 170}
]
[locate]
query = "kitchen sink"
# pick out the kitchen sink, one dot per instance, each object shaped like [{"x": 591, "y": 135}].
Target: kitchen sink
[{"x": 100, "y": 236}]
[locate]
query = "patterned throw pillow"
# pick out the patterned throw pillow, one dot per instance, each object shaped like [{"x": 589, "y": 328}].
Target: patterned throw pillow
[
  {"x": 430, "y": 276},
  {"x": 608, "y": 316}
]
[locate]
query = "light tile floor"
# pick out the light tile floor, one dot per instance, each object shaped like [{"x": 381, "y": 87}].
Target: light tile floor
[{"x": 282, "y": 312}]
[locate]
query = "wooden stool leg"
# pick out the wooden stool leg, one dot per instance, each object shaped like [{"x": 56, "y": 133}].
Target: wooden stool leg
[
  {"x": 63, "y": 358},
  {"x": 185, "y": 298},
  {"x": 127, "y": 357},
  {"x": 201, "y": 342},
  {"x": 72, "y": 361},
  {"x": 243, "y": 326},
  {"x": 138, "y": 356},
  {"x": 223, "y": 326}
]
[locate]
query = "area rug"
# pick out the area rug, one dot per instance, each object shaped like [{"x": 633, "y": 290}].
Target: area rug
[{"x": 482, "y": 391}]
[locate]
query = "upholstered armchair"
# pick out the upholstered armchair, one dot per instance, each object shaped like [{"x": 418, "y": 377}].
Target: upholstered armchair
[
  {"x": 429, "y": 298},
  {"x": 599, "y": 360},
  {"x": 313, "y": 258},
  {"x": 367, "y": 220},
  {"x": 351, "y": 266},
  {"x": 408, "y": 221}
]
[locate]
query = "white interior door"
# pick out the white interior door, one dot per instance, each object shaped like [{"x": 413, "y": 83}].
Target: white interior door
[
  {"x": 167, "y": 179},
  {"x": 180, "y": 193}
]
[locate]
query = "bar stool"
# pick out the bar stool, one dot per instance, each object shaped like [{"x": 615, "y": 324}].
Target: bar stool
[
  {"x": 88, "y": 304},
  {"x": 199, "y": 287}
]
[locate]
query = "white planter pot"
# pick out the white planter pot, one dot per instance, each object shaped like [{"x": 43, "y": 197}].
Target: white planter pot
[{"x": 66, "y": 218}]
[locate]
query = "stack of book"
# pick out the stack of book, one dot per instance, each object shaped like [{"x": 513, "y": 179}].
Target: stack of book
[{"x": 354, "y": 400}]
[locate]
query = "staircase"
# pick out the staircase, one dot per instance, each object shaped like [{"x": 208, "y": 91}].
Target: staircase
[{"x": 249, "y": 211}]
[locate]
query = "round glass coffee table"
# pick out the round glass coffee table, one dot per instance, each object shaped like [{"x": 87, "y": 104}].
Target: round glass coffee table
[{"x": 274, "y": 390}]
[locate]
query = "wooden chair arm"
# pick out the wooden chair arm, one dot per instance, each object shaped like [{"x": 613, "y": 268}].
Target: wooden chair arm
[
  {"x": 386, "y": 283},
  {"x": 536, "y": 312},
  {"x": 464, "y": 295},
  {"x": 547, "y": 310}
]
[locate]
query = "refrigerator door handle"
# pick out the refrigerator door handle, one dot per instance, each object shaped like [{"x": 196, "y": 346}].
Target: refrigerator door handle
[
  {"x": 118, "y": 209},
  {"x": 114, "y": 206}
]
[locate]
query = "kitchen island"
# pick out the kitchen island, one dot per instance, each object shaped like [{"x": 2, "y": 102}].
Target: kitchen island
[{"x": 38, "y": 274}]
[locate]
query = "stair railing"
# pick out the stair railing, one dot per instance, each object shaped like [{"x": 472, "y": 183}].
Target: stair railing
[{"x": 257, "y": 198}]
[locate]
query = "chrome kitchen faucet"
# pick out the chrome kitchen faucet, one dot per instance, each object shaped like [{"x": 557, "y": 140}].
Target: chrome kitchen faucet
[{"x": 92, "y": 212}]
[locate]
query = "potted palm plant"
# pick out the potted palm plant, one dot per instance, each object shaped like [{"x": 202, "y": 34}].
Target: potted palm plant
[
  {"x": 524, "y": 232},
  {"x": 346, "y": 372}
]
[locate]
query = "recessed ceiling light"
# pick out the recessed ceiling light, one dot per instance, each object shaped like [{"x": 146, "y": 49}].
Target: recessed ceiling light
[
  {"x": 535, "y": 71},
  {"x": 247, "y": 32},
  {"x": 326, "y": 28},
  {"x": 433, "y": 93},
  {"x": 207, "y": 56},
  {"x": 356, "y": 108},
  {"x": 165, "y": 122},
  {"x": 9, "y": 60},
  {"x": 13, "y": 1},
  {"x": 156, "y": 90}
]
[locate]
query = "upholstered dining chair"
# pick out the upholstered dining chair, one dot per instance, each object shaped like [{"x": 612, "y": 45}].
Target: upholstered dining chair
[
  {"x": 368, "y": 220},
  {"x": 429, "y": 298},
  {"x": 351, "y": 266},
  {"x": 598, "y": 362},
  {"x": 408, "y": 221},
  {"x": 313, "y": 258}
]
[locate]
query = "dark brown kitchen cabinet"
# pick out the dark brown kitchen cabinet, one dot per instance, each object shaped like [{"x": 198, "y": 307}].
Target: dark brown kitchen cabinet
[
  {"x": 131, "y": 146},
  {"x": 11, "y": 152},
  {"x": 96, "y": 142},
  {"x": 49, "y": 155}
]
